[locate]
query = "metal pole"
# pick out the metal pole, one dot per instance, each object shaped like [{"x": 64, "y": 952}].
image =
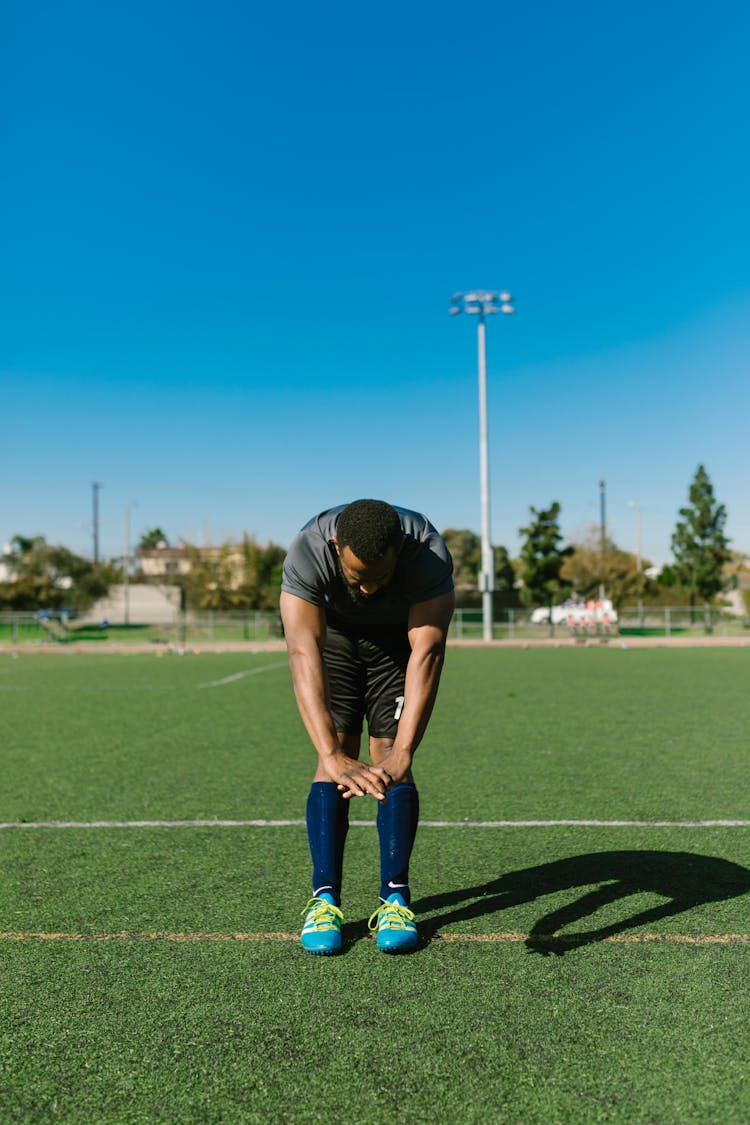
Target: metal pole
[
  {"x": 96, "y": 486},
  {"x": 477, "y": 303},
  {"x": 603, "y": 535},
  {"x": 487, "y": 577},
  {"x": 126, "y": 564},
  {"x": 640, "y": 563}
]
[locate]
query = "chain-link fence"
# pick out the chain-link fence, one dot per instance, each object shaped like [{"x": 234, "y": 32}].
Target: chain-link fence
[
  {"x": 181, "y": 629},
  {"x": 631, "y": 621},
  {"x": 194, "y": 629}
]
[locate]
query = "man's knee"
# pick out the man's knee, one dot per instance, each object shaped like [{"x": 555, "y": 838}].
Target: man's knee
[{"x": 379, "y": 747}]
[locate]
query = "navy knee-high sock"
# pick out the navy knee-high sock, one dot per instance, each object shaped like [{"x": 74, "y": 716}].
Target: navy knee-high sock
[
  {"x": 398, "y": 817},
  {"x": 327, "y": 826}
]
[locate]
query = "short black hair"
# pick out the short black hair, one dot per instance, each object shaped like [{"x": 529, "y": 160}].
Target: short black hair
[{"x": 369, "y": 528}]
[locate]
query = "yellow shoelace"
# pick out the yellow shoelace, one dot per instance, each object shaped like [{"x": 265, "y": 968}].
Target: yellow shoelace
[
  {"x": 323, "y": 914},
  {"x": 393, "y": 914}
]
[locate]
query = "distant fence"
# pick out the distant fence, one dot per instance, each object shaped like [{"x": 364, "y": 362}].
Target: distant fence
[
  {"x": 194, "y": 628},
  {"x": 182, "y": 629},
  {"x": 656, "y": 621}
]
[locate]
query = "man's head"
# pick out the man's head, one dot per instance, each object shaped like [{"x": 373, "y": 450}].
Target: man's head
[{"x": 368, "y": 539}]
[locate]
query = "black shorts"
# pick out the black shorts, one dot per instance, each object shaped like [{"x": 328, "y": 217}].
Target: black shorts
[{"x": 366, "y": 678}]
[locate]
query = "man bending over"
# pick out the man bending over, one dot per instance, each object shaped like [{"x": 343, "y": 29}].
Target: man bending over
[{"x": 366, "y": 601}]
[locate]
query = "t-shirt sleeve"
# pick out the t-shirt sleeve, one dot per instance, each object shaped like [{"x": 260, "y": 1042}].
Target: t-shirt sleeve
[
  {"x": 432, "y": 574},
  {"x": 302, "y": 574}
]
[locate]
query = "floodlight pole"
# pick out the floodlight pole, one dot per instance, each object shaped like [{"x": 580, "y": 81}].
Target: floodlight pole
[
  {"x": 487, "y": 577},
  {"x": 479, "y": 304}
]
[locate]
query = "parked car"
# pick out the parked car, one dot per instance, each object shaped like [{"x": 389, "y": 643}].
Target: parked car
[{"x": 599, "y": 612}]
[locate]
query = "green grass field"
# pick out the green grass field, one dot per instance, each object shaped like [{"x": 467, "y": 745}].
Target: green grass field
[{"x": 567, "y": 973}]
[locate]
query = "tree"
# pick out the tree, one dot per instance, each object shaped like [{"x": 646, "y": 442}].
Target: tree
[
  {"x": 235, "y": 576},
  {"x": 152, "y": 539},
  {"x": 542, "y": 558},
  {"x": 260, "y": 584},
  {"x": 466, "y": 551},
  {"x": 668, "y": 589},
  {"x": 212, "y": 582},
  {"x": 22, "y": 544},
  {"x": 588, "y": 567},
  {"x": 506, "y": 580},
  {"x": 47, "y": 576},
  {"x": 699, "y": 545}
]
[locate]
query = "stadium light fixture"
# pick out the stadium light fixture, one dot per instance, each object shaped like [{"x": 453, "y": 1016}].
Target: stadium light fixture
[{"x": 482, "y": 303}]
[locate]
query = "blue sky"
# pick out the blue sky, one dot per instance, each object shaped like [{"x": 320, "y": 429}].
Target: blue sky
[{"x": 230, "y": 234}]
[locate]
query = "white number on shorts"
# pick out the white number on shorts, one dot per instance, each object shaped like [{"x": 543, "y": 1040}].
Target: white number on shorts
[{"x": 399, "y": 706}]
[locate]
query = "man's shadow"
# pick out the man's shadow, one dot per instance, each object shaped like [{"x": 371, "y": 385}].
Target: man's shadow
[{"x": 686, "y": 880}]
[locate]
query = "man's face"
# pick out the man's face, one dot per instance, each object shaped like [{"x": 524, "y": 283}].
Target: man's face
[{"x": 365, "y": 581}]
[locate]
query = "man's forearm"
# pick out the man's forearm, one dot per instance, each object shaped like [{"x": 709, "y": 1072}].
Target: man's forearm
[
  {"x": 422, "y": 682},
  {"x": 310, "y": 689},
  {"x": 354, "y": 778}
]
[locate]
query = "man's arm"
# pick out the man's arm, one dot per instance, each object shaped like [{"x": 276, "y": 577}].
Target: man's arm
[
  {"x": 428, "y": 631},
  {"x": 305, "y": 633}
]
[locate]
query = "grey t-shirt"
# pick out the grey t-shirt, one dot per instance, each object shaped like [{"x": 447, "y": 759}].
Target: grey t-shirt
[{"x": 424, "y": 570}]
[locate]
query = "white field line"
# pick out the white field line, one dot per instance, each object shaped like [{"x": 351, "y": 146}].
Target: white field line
[
  {"x": 371, "y": 823},
  {"x": 247, "y": 672}
]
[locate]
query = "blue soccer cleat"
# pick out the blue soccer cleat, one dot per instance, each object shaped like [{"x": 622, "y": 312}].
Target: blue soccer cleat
[
  {"x": 394, "y": 922},
  {"x": 321, "y": 932}
]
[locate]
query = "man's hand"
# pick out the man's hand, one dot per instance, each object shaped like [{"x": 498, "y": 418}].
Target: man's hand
[
  {"x": 355, "y": 778},
  {"x": 396, "y": 764}
]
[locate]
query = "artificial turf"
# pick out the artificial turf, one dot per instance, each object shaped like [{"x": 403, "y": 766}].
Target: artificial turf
[{"x": 163, "y": 1001}]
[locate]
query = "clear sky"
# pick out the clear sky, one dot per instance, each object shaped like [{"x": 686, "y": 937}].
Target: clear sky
[{"x": 229, "y": 235}]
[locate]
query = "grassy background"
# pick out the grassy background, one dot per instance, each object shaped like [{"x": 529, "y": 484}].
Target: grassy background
[{"x": 139, "y": 1030}]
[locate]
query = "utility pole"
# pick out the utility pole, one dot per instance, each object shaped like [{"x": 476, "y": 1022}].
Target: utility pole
[
  {"x": 602, "y": 533},
  {"x": 95, "y": 485},
  {"x": 639, "y": 559},
  {"x": 126, "y": 565}
]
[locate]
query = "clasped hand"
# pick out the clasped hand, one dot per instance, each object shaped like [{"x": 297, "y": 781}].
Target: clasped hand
[{"x": 357, "y": 779}]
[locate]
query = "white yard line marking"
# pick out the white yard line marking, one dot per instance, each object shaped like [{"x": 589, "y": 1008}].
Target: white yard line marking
[
  {"x": 156, "y": 824},
  {"x": 585, "y": 823},
  {"x": 247, "y": 672},
  {"x": 370, "y": 823}
]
